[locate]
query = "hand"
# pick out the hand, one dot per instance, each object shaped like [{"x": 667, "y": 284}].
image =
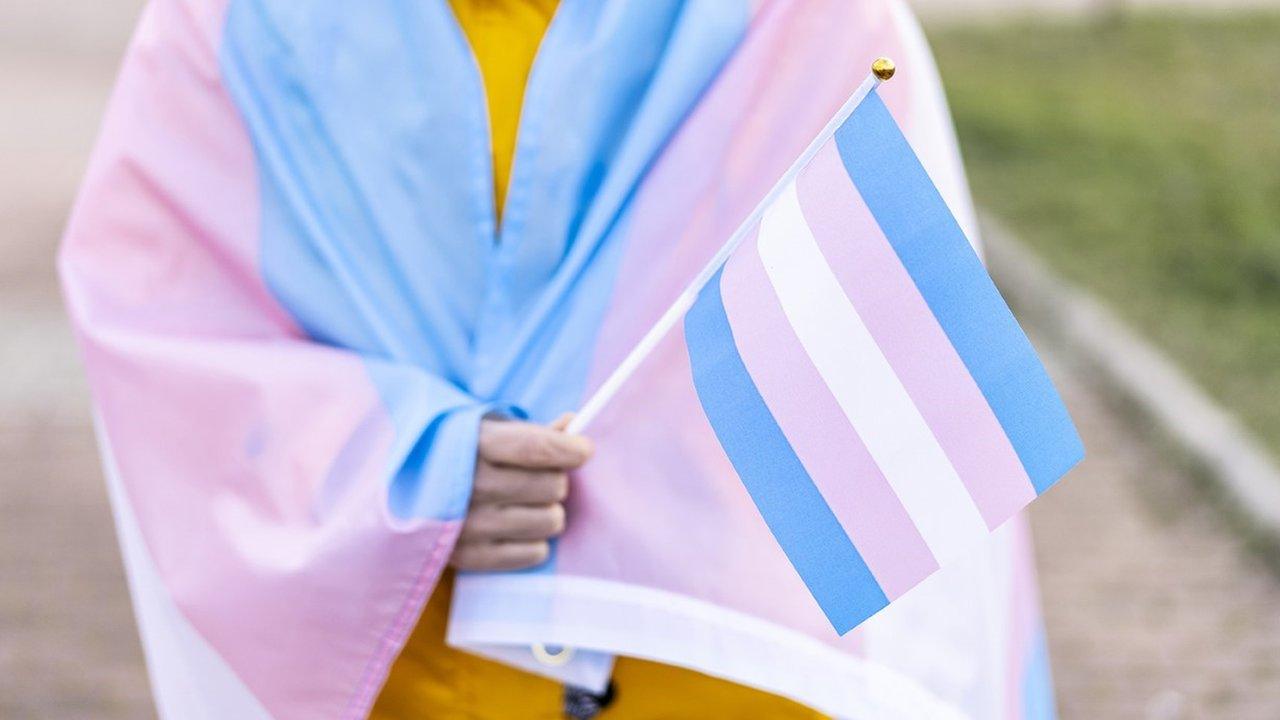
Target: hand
[{"x": 517, "y": 501}]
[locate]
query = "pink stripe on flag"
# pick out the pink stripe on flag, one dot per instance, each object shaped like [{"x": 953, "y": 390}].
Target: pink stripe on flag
[
  {"x": 912, "y": 340},
  {"x": 818, "y": 430}
]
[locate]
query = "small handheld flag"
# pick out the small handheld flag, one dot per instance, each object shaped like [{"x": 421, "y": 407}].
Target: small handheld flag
[{"x": 869, "y": 385}]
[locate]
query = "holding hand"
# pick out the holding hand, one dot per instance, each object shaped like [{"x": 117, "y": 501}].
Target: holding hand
[{"x": 517, "y": 502}]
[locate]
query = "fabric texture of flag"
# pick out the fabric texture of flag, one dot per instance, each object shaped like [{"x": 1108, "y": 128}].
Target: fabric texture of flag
[{"x": 294, "y": 305}]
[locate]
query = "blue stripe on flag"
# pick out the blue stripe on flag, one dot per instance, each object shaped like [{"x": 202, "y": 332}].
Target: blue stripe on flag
[
  {"x": 956, "y": 286},
  {"x": 792, "y": 506},
  {"x": 1037, "y": 683}
]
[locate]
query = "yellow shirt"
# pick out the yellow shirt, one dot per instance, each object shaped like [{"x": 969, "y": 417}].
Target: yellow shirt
[
  {"x": 433, "y": 681},
  {"x": 504, "y": 36}
]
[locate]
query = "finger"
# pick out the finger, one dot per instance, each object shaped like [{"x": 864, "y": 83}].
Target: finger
[
  {"x": 484, "y": 556},
  {"x": 500, "y": 485},
  {"x": 527, "y": 445},
  {"x": 562, "y": 422},
  {"x": 514, "y": 522}
]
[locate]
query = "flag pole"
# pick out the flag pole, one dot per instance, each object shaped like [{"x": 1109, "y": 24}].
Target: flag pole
[{"x": 881, "y": 70}]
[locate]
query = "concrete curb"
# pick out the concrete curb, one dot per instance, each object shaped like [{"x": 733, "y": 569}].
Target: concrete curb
[{"x": 1090, "y": 336}]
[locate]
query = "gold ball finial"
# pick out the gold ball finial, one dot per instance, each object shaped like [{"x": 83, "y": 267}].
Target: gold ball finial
[{"x": 883, "y": 68}]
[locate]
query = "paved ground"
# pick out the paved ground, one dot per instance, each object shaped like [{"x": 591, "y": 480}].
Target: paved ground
[{"x": 1154, "y": 609}]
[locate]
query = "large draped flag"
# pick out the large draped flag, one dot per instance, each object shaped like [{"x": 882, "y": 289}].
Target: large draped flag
[{"x": 295, "y": 304}]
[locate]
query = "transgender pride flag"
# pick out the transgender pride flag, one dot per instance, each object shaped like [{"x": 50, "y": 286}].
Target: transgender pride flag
[{"x": 867, "y": 382}]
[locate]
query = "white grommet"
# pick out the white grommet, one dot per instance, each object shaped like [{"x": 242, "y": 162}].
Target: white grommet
[{"x": 552, "y": 659}]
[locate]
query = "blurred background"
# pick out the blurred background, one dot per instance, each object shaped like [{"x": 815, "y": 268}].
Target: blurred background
[{"x": 1131, "y": 146}]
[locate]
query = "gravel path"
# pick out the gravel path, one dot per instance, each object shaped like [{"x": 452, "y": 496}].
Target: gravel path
[{"x": 1154, "y": 609}]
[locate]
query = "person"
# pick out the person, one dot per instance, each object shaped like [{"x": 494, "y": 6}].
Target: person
[{"x": 337, "y": 271}]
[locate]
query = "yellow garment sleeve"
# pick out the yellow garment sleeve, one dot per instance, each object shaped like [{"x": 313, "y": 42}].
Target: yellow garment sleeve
[{"x": 432, "y": 680}]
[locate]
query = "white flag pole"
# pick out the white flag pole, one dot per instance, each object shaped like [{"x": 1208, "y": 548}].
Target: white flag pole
[{"x": 882, "y": 69}]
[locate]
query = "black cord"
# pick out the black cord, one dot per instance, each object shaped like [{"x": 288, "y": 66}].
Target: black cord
[{"x": 582, "y": 704}]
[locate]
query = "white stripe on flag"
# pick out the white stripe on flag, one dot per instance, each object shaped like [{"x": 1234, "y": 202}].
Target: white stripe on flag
[{"x": 864, "y": 383}]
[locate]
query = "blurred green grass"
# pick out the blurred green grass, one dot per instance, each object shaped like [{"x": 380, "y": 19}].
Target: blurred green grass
[{"x": 1140, "y": 155}]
